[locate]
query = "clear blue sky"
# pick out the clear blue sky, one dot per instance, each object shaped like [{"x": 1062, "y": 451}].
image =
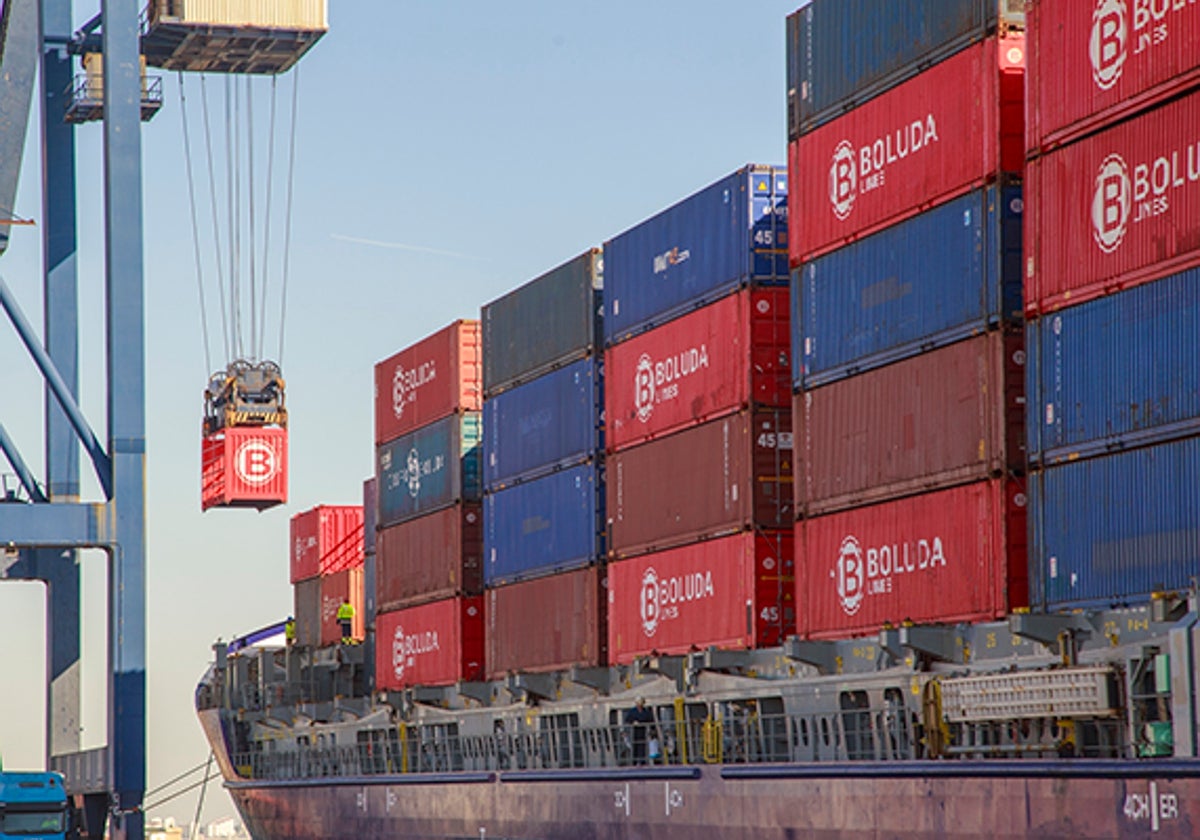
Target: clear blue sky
[{"x": 446, "y": 153}]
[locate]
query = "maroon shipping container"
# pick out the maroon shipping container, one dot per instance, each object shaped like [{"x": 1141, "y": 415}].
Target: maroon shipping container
[
  {"x": 244, "y": 466},
  {"x": 713, "y": 361},
  {"x": 306, "y": 610},
  {"x": 547, "y": 623},
  {"x": 334, "y": 588},
  {"x": 728, "y": 475},
  {"x": 326, "y": 539},
  {"x": 733, "y": 592},
  {"x": 434, "y": 644},
  {"x": 431, "y": 557},
  {"x": 956, "y": 555},
  {"x": 439, "y": 375},
  {"x": 1113, "y": 210},
  {"x": 948, "y": 416},
  {"x": 941, "y": 134},
  {"x": 1092, "y": 64}
]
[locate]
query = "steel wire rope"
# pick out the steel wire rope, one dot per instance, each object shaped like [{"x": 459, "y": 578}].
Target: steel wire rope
[
  {"x": 203, "y": 790},
  {"x": 187, "y": 157},
  {"x": 212, "y": 196},
  {"x": 262, "y": 333},
  {"x": 250, "y": 219},
  {"x": 201, "y": 766},
  {"x": 230, "y": 221},
  {"x": 235, "y": 154},
  {"x": 287, "y": 235},
  {"x": 202, "y": 784}
]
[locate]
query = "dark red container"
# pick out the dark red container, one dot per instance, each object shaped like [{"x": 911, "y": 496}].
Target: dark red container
[
  {"x": 439, "y": 375},
  {"x": 326, "y": 539},
  {"x": 547, "y": 623},
  {"x": 957, "y": 555},
  {"x": 335, "y": 587},
  {"x": 731, "y": 474},
  {"x": 733, "y": 592},
  {"x": 948, "y": 416},
  {"x": 306, "y": 610},
  {"x": 1113, "y": 210},
  {"x": 440, "y": 643},
  {"x": 431, "y": 557},
  {"x": 1092, "y": 64},
  {"x": 938, "y": 135},
  {"x": 711, "y": 362},
  {"x": 244, "y": 466}
]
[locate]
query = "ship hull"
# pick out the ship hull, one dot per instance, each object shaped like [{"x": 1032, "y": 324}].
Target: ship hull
[{"x": 993, "y": 800}]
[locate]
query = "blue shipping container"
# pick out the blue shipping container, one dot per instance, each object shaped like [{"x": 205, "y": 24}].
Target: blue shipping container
[
  {"x": 544, "y": 526},
  {"x": 1116, "y": 372},
  {"x": 731, "y": 233},
  {"x": 431, "y": 468},
  {"x": 547, "y": 424},
  {"x": 936, "y": 278},
  {"x": 1114, "y": 529},
  {"x": 840, "y": 53},
  {"x": 370, "y": 514}
]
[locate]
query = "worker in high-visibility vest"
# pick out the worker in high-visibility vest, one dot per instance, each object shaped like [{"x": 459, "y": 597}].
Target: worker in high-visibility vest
[
  {"x": 345, "y": 617},
  {"x": 289, "y": 631}
]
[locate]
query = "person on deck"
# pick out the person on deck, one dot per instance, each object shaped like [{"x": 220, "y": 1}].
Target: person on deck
[
  {"x": 639, "y": 718},
  {"x": 345, "y": 617}
]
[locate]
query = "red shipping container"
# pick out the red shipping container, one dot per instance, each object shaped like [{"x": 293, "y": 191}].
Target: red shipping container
[
  {"x": 713, "y": 361},
  {"x": 956, "y": 555},
  {"x": 306, "y": 610},
  {"x": 335, "y": 588},
  {"x": 547, "y": 623},
  {"x": 731, "y": 474},
  {"x": 439, "y": 375},
  {"x": 945, "y": 132},
  {"x": 1113, "y": 210},
  {"x": 734, "y": 592},
  {"x": 326, "y": 539},
  {"x": 951, "y": 415},
  {"x": 432, "y": 557},
  {"x": 1093, "y": 64},
  {"x": 434, "y": 644},
  {"x": 244, "y": 466}
]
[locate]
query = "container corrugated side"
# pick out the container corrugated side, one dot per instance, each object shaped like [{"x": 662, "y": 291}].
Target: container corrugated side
[
  {"x": 728, "y": 475},
  {"x": 1094, "y": 64},
  {"x": 326, "y": 539},
  {"x": 736, "y": 592},
  {"x": 1115, "y": 209},
  {"x": 953, "y": 415},
  {"x": 1115, "y": 529},
  {"x": 543, "y": 526},
  {"x": 435, "y": 556},
  {"x": 244, "y": 466},
  {"x": 546, "y": 323},
  {"x": 731, "y": 233},
  {"x": 547, "y": 624},
  {"x": 334, "y": 588},
  {"x": 440, "y": 643},
  {"x": 716, "y": 360},
  {"x": 370, "y": 513},
  {"x": 543, "y": 425},
  {"x": 956, "y": 555},
  {"x": 936, "y": 278},
  {"x": 306, "y": 610},
  {"x": 431, "y": 468},
  {"x": 945, "y": 132},
  {"x": 439, "y": 375},
  {"x": 288, "y": 15},
  {"x": 841, "y": 53},
  {"x": 1116, "y": 372}
]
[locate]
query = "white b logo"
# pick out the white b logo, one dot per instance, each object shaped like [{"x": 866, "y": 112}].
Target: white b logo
[
  {"x": 413, "y": 468},
  {"x": 1111, "y": 203},
  {"x": 643, "y": 388},
  {"x": 649, "y": 601},
  {"x": 843, "y": 180},
  {"x": 255, "y": 462},
  {"x": 1106, "y": 47},
  {"x": 399, "y": 655},
  {"x": 399, "y": 391},
  {"x": 850, "y": 582}
]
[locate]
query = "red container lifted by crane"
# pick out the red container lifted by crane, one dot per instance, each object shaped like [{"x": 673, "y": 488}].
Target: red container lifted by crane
[{"x": 244, "y": 448}]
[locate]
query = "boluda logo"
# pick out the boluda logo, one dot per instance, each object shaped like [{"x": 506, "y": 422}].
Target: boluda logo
[
  {"x": 1107, "y": 46},
  {"x": 413, "y": 472},
  {"x": 1123, "y": 195},
  {"x": 666, "y": 259},
  {"x": 660, "y": 598},
  {"x": 255, "y": 462},
  {"x": 406, "y": 382},
  {"x": 406, "y": 648},
  {"x": 658, "y": 381},
  {"x": 861, "y": 572},
  {"x": 851, "y": 173},
  {"x": 1111, "y": 203}
]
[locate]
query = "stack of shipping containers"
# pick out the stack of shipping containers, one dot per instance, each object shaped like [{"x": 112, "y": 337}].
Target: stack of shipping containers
[
  {"x": 428, "y": 587},
  {"x": 905, "y": 154},
  {"x": 699, "y": 433},
  {"x": 543, "y": 472},
  {"x": 1112, "y": 293},
  {"x": 326, "y": 567},
  {"x": 370, "y": 576}
]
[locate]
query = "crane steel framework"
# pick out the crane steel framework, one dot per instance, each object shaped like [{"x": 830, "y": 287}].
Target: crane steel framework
[{"x": 55, "y": 523}]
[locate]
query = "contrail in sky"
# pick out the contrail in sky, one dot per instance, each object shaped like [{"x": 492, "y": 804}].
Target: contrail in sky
[{"x": 400, "y": 246}]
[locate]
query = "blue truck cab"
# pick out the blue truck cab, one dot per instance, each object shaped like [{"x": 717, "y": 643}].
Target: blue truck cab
[{"x": 33, "y": 806}]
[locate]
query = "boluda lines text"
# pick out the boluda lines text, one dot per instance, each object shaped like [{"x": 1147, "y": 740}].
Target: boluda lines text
[
  {"x": 405, "y": 383},
  {"x": 657, "y": 381},
  {"x": 861, "y": 572},
  {"x": 1125, "y": 195},
  {"x": 407, "y": 647},
  {"x": 661, "y": 598},
  {"x": 853, "y": 171}
]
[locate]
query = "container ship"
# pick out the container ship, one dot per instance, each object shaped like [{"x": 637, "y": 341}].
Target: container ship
[{"x": 859, "y": 498}]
